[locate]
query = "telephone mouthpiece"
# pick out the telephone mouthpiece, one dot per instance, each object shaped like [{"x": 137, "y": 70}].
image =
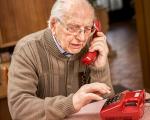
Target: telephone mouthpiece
[{"x": 89, "y": 58}]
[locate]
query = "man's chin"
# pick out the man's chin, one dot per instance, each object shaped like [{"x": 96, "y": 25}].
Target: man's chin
[{"x": 75, "y": 51}]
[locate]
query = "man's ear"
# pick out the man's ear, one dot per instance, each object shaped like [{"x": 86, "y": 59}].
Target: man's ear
[{"x": 52, "y": 24}]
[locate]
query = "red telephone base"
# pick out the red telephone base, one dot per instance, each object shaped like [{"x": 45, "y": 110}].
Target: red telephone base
[{"x": 128, "y": 105}]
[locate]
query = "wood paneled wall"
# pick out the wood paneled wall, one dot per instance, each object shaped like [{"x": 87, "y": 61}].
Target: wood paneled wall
[
  {"x": 21, "y": 17},
  {"x": 17, "y": 19},
  {"x": 142, "y": 8}
]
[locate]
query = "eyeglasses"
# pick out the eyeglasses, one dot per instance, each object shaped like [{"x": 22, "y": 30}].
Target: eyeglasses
[{"x": 76, "y": 29}]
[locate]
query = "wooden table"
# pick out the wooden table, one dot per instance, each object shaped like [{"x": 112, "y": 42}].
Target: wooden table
[{"x": 91, "y": 111}]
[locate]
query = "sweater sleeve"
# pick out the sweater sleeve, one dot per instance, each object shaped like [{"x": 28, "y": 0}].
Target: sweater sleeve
[
  {"x": 102, "y": 75},
  {"x": 22, "y": 100}
]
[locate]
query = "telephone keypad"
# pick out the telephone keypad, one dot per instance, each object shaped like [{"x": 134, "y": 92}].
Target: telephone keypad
[{"x": 113, "y": 99}]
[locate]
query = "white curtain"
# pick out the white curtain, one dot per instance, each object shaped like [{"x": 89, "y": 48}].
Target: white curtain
[
  {"x": 110, "y": 4},
  {"x": 115, "y": 4},
  {"x": 104, "y": 3}
]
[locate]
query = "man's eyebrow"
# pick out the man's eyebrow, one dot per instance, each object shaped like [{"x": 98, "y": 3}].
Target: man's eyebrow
[
  {"x": 79, "y": 25},
  {"x": 89, "y": 26},
  {"x": 73, "y": 24}
]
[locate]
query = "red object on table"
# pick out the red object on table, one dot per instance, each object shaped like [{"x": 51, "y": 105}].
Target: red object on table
[
  {"x": 128, "y": 105},
  {"x": 92, "y": 111}
]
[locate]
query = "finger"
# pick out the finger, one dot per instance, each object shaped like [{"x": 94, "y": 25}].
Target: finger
[
  {"x": 100, "y": 87},
  {"x": 99, "y": 41},
  {"x": 100, "y": 34},
  {"x": 100, "y": 48},
  {"x": 102, "y": 39},
  {"x": 91, "y": 96},
  {"x": 103, "y": 45}
]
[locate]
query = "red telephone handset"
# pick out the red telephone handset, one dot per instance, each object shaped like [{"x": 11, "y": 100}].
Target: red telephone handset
[{"x": 90, "y": 57}]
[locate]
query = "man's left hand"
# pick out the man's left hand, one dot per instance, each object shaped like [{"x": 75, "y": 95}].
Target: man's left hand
[{"x": 99, "y": 44}]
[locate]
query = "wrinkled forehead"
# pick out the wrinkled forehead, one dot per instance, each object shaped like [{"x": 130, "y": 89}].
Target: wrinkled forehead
[{"x": 79, "y": 14}]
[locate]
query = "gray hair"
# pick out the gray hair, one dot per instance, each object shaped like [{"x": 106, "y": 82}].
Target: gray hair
[{"x": 61, "y": 7}]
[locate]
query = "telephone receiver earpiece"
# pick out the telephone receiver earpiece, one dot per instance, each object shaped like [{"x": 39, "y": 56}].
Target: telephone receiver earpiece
[{"x": 90, "y": 57}]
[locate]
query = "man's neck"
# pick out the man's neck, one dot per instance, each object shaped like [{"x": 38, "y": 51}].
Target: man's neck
[{"x": 60, "y": 48}]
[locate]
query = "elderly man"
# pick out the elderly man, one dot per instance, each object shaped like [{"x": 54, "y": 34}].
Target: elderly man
[{"x": 47, "y": 79}]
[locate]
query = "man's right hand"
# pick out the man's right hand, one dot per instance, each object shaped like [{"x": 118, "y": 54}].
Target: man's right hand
[{"x": 88, "y": 93}]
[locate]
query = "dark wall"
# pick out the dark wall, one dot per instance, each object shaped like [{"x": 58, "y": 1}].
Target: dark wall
[{"x": 126, "y": 13}]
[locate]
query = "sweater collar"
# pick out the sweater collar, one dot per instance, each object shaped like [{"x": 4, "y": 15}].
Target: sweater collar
[
  {"x": 60, "y": 48},
  {"x": 50, "y": 43}
]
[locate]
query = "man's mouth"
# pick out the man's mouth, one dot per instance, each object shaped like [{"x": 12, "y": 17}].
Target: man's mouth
[{"x": 76, "y": 46}]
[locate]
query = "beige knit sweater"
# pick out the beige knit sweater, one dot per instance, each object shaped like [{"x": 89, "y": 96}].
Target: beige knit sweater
[{"x": 42, "y": 80}]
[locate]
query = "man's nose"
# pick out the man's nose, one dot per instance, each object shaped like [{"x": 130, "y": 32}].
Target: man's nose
[{"x": 81, "y": 35}]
